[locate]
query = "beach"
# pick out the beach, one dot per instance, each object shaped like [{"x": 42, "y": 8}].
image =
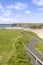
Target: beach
[{"x": 39, "y": 32}]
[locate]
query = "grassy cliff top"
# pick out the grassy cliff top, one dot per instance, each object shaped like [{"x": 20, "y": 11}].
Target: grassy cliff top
[{"x": 11, "y": 48}]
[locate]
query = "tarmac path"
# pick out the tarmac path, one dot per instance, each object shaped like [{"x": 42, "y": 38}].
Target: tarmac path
[{"x": 30, "y": 46}]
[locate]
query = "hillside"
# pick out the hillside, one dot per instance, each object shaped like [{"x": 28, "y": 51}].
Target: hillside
[{"x": 29, "y": 25}]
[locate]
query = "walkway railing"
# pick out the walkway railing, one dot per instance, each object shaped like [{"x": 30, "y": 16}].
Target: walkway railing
[{"x": 37, "y": 59}]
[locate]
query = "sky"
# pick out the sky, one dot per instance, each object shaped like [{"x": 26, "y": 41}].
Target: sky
[{"x": 21, "y": 11}]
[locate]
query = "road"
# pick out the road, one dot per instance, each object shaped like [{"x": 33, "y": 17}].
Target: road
[{"x": 31, "y": 47}]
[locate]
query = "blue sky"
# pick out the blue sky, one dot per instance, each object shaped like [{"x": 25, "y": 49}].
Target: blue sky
[{"x": 21, "y": 11}]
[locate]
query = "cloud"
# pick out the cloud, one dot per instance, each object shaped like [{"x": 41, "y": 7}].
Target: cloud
[
  {"x": 9, "y": 20},
  {"x": 18, "y": 15},
  {"x": 6, "y": 20},
  {"x": 2, "y": 20},
  {"x": 38, "y": 2},
  {"x": 16, "y": 21},
  {"x": 17, "y": 5},
  {"x": 40, "y": 9},
  {"x": 7, "y": 13},
  {"x": 1, "y": 8},
  {"x": 17, "y": 18},
  {"x": 27, "y": 12},
  {"x": 8, "y": 10}
]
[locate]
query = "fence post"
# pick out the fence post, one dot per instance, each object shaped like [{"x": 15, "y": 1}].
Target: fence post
[{"x": 36, "y": 61}]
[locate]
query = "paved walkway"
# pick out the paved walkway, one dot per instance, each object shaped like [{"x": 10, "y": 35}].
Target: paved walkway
[{"x": 31, "y": 47}]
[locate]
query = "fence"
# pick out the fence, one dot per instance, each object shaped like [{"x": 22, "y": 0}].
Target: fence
[{"x": 36, "y": 58}]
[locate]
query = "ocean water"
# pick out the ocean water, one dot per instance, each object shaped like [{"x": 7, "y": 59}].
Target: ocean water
[{"x": 5, "y": 25}]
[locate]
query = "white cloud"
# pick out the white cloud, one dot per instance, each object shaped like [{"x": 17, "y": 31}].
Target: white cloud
[
  {"x": 17, "y": 5},
  {"x": 38, "y": 2},
  {"x": 40, "y": 9},
  {"x": 18, "y": 15},
  {"x": 7, "y": 13},
  {"x": 1, "y": 8},
  {"x": 2, "y": 20},
  {"x": 27, "y": 12},
  {"x": 16, "y": 21},
  {"x": 6, "y": 20}
]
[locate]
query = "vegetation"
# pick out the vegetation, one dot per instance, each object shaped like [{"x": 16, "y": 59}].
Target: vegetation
[
  {"x": 11, "y": 48},
  {"x": 33, "y": 34},
  {"x": 39, "y": 46}
]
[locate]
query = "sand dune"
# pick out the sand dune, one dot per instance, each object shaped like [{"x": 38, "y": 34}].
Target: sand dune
[{"x": 39, "y": 32}]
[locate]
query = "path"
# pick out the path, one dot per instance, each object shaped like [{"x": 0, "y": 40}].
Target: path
[{"x": 30, "y": 46}]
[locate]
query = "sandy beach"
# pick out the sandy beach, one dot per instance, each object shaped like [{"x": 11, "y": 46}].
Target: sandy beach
[{"x": 39, "y": 32}]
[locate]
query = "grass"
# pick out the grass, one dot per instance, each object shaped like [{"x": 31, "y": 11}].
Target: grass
[
  {"x": 33, "y": 34},
  {"x": 39, "y": 46},
  {"x": 11, "y": 48}
]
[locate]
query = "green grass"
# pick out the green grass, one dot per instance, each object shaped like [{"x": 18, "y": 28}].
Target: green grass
[
  {"x": 39, "y": 46},
  {"x": 33, "y": 34},
  {"x": 11, "y": 48}
]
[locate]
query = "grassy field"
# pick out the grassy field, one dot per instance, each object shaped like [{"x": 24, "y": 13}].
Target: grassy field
[
  {"x": 11, "y": 48},
  {"x": 39, "y": 46}
]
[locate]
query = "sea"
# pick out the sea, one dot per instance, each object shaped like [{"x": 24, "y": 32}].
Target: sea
[{"x": 5, "y": 25}]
